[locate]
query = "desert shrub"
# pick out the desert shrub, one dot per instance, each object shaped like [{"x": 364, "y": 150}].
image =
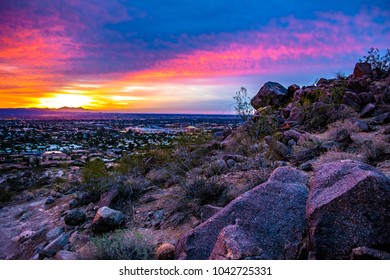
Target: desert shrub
[
  {"x": 201, "y": 189},
  {"x": 262, "y": 126},
  {"x": 158, "y": 176},
  {"x": 346, "y": 124},
  {"x": 242, "y": 104},
  {"x": 376, "y": 150},
  {"x": 331, "y": 156},
  {"x": 122, "y": 245},
  {"x": 214, "y": 168},
  {"x": 188, "y": 158},
  {"x": 377, "y": 61},
  {"x": 193, "y": 139},
  {"x": 322, "y": 108},
  {"x": 141, "y": 163},
  {"x": 317, "y": 118},
  {"x": 341, "y": 76},
  {"x": 93, "y": 171}
]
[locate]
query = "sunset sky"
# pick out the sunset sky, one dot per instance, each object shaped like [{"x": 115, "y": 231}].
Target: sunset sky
[{"x": 172, "y": 56}]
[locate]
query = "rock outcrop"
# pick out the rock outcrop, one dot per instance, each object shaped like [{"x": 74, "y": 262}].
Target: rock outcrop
[
  {"x": 267, "y": 222},
  {"x": 75, "y": 217},
  {"x": 270, "y": 93},
  {"x": 348, "y": 207},
  {"x": 107, "y": 219}
]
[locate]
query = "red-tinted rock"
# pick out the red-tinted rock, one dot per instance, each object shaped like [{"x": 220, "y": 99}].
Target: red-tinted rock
[
  {"x": 270, "y": 217},
  {"x": 362, "y": 69},
  {"x": 348, "y": 207},
  {"x": 107, "y": 219},
  {"x": 271, "y": 93},
  {"x": 108, "y": 198}
]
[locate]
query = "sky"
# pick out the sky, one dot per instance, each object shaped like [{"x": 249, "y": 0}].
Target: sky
[{"x": 172, "y": 56}]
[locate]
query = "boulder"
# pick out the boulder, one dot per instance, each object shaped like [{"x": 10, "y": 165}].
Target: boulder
[
  {"x": 348, "y": 207},
  {"x": 107, "y": 219},
  {"x": 360, "y": 125},
  {"x": 367, "y": 110},
  {"x": 49, "y": 200},
  {"x": 56, "y": 245},
  {"x": 65, "y": 255},
  {"x": 302, "y": 154},
  {"x": 341, "y": 135},
  {"x": 362, "y": 69},
  {"x": 108, "y": 198},
  {"x": 297, "y": 115},
  {"x": 207, "y": 211},
  {"x": 292, "y": 89},
  {"x": 330, "y": 145},
  {"x": 381, "y": 119},
  {"x": 271, "y": 93},
  {"x": 364, "y": 253},
  {"x": 234, "y": 243},
  {"x": 75, "y": 217},
  {"x": 277, "y": 147},
  {"x": 55, "y": 232},
  {"x": 292, "y": 134},
  {"x": 353, "y": 100},
  {"x": 265, "y": 222}
]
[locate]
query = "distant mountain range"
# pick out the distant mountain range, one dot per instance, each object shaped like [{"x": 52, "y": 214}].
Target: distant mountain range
[
  {"x": 39, "y": 113},
  {"x": 77, "y": 113}
]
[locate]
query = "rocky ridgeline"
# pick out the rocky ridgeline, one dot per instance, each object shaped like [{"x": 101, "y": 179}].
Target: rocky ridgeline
[
  {"x": 342, "y": 213},
  {"x": 307, "y": 177},
  {"x": 339, "y": 211}
]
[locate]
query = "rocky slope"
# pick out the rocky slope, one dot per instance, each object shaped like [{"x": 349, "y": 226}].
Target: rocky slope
[{"x": 307, "y": 177}]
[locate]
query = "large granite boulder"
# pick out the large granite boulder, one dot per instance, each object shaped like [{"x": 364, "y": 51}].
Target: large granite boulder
[
  {"x": 271, "y": 93},
  {"x": 267, "y": 222},
  {"x": 348, "y": 207},
  {"x": 107, "y": 219},
  {"x": 362, "y": 69},
  {"x": 75, "y": 217},
  {"x": 56, "y": 245}
]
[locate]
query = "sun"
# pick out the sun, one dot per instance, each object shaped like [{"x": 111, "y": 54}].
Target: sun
[{"x": 65, "y": 100}]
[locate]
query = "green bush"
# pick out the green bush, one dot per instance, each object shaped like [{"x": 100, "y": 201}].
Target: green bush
[
  {"x": 377, "y": 61},
  {"x": 94, "y": 170},
  {"x": 263, "y": 124},
  {"x": 142, "y": 162},
  {"x": 201, "y": 189},
  {"x": 122, "y": 245},
  {"x": 94, "y": 177}
]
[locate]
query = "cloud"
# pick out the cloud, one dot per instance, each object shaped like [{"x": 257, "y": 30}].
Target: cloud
[{"x": 154, "y": 48}]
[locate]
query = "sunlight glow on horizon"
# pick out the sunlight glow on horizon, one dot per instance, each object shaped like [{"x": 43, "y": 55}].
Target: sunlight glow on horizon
[
  {"x": 65, "y": 100},
  {"x": 80, "y": 55}
]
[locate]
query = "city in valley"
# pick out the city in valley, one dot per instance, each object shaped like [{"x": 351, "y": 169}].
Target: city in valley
[{"x": 35, "y": 150}]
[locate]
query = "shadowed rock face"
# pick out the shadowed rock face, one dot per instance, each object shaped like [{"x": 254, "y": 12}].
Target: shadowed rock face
[
  {"x": 267, "y": 222},
  {"x": 348, "y": 207},
  {"x": 271, "y": 93},
  {"x": 107, "y": 219}
]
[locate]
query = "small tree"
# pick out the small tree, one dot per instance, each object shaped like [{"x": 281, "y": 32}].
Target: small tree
[
  {"x": 377, "y": 61},
  {"x": 242, "y": 104}
]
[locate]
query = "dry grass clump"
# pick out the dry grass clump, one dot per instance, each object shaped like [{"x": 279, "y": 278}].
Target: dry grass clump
[
  {"x": 376, "y": 150},
  {"x": 121, "y": 245},
  {"x": 331, "y": 156}
]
